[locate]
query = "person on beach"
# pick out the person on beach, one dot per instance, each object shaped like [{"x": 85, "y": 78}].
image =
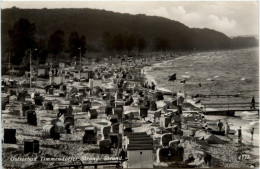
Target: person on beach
[
  {"x": 252, "y": 133},
  {"x": 227, "y": 129},
  {"x": 4, "y": 83},
  {"x": 47, "y": 89},
  {"x": 207, "y": 159},
  {"x": 253, "y": 103},
  {"x": 201, "y": 109},
  {"x": 153, "y": 86},
  {"x": 239, "y": 135},
  {"x": 56, "y": 72},
  {"x": 203, "y": 120},
  {"x": 145, "y": 84},
  {"x": 220, "y": 125},
  {"x": 122, "y": 154},
  {"x": 192, "y": 134}
]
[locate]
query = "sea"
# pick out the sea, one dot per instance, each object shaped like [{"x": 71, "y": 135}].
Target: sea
[{"x": 228, "y": 76}]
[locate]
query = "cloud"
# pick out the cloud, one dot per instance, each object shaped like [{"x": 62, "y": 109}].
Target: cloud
[
  {"x": 222, "y": 24},
  {"x": 180, "y": 14},
  {"x": 161, "y": 11},
  {"x": 198, "y": 19},
  {"x": 232, "y": 19}
]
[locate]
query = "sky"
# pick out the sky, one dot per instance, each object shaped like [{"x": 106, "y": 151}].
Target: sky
[{"x": 232, "y": 18}]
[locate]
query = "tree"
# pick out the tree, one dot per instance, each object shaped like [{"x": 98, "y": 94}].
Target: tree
[
  {"x": 74, "y": 44},
  {"x": 41, "y": 53},
  {"x": 141, "y": 44},
  {"x": 56, "y": 42},
  {"x": 118, "y": 43},
  {"x": 22, "y": 37},
  {"x": 130, "y": 42},
  {"x": 83, "y": 44},
  {"x": 161, "y": 43},
  {"x": 107, "y": 41}
]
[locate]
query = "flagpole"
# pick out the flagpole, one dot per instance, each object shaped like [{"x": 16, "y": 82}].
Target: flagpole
[
  {"x": 30, "y": 69},
  {"x": 9, "y": 65},
  {"x": 80, "y": 55},
  {"x": 79, "y": 62}
]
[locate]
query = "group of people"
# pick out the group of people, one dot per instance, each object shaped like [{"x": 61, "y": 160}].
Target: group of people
[
  {"x": 152, "y": 86},
  {"x": 239, "y": 135},
  {"x": 54, "y": 72},
  {"x": 239, "y": 131}
]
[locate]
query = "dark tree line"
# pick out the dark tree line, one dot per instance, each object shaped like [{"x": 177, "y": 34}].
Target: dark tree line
[
  {"x": 22, "y": 38},
  {"x": 161, "y": 35},
  {"x": 123, "y": 43},
  {"x": 161, "y": 44},
  {"x": 76, "y": 43},
  {"x": 157, "y": 33},
  {"x": 56, "y": 43},
  {"x": 243, "y": 42},
  {"x": 23, "y": 43}
]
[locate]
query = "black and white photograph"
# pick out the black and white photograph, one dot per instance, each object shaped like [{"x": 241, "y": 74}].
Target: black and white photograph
[{"x": 129, "y": 84}]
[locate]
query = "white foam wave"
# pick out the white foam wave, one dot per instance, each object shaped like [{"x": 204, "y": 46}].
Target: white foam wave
[
  {"x": 254, "y": 123},
  {"x": 249, "y": 113},
  {"x": 185, "y": 76},
  {"x": 164, "y": 89}
]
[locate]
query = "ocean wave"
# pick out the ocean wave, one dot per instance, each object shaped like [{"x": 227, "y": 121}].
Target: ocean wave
[
  {"x": 164, "y": 89},
  {"x": 185, "y": 76},
  {"x": 249, "y": 113},
  {"x": 254, "y": 123}
]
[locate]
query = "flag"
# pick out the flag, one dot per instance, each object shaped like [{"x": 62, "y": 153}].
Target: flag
[{"x": 172, "y": 77}]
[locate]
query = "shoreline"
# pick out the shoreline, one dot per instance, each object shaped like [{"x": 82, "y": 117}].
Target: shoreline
[{"x": 254, "y": 146}]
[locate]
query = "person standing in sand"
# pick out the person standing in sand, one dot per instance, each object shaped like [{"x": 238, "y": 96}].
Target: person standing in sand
[
  {"x": 252, "y": 133},
  {"x": 253, "y": 103},
  {"x": 220, "y": 125},
  {"x": 207, "y": 159},
  {"x": 239, "y": 135},
  {"x": 153, "y": 86},
  {"x": 227, "y": 129},
  {"x": 122, "y": 154}
]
